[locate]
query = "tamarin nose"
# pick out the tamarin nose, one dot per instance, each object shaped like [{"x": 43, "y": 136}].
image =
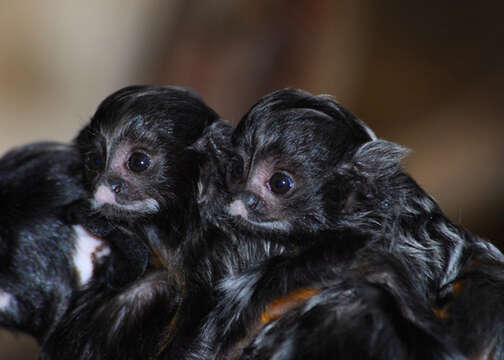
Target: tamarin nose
[
  {"x": 116, "y": 185},
  {"x": 116, "y": 188},
  {"x": 251, "y": 200}
]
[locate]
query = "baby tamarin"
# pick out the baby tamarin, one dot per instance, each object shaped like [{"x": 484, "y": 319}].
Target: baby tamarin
[
  {"x": 308, "y": 172},
  {"x": 283, "y": 188},
  {"x": 142, "y": 186},
  {"x": 138, "y": 171}
]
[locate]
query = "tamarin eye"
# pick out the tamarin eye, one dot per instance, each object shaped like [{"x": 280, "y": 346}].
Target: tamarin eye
[
  {"x": 139, "y": 162},
  {"x": 94, "y": 161},
  {"x": 237, "y": 170},
  {"x": 280, "y": 183}
]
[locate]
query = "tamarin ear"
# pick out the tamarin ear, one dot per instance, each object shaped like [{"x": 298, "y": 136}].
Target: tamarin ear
[
  {"x": 379, "y": 158},
  {"x": 215, "y": 138},
  {"x": 375, "y": 162}
]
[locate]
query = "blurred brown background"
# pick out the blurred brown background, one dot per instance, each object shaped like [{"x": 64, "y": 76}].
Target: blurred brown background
[{"x": 427, "y": 76}]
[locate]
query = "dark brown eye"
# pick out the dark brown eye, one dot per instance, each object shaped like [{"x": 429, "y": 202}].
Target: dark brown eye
[
  {"x": 139, "y": 162},
  {"x": 94, "y": 161},
  {"x": 280, "y": 183},
  {"x": 237, "y": 169}
]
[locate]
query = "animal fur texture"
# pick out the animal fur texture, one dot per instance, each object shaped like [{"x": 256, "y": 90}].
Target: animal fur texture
[
  {"x": 137, "y": 304},
  {"x": 141, "y": 186},
  {"x": 375, "y": 251},
  {"x": 45, "y": 258},
  {"x": 154, "y": 182},
  {"x": 297, "y": 235}
]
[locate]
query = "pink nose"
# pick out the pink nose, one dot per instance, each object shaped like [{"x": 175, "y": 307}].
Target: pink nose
[{"x": 104, "y": 195}]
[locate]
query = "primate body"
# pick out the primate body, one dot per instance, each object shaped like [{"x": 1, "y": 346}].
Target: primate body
[
  {"x": 138, "y": 170},
  {"x": 141, "y": 185},
  {"x": 213, "y": 247},
  {"x": 151, "y": 197},
  {"x": 152, "y": 184},
  {"x": 307, "y": 172},
  {"x": 45, "y": 259},
  {"x": 51, "y": 286},
  {"x": 298, "y": 225}
]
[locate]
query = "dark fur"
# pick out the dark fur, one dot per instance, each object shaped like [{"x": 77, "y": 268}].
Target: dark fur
[
  {"x": 213, "y": 247},
  {"x": 384, "y": 317},
  {"x": 159, "y": 313},
  {"x": 357, "y": 228},
  {"x": 38, "y": 182},
  {"x": 160, "y": 122},
  {"x": 349, "y": 321},
  {"x": 352, "y": 208},
  {"x": 131, "y": 316},
  {"x": 72, "y": 314},
  {"x": 473, "y": 304},
  {"x": 155, "y": 309}
]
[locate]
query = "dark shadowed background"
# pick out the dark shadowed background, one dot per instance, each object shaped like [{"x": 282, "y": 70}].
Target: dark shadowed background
[{"x": 427, "y": 76}]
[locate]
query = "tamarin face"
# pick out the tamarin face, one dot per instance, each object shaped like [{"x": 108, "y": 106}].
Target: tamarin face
[
  {"x": 288, "y": 150},
  {"x": 134, "y": 149},
  {"x": 125, "y": 176}
]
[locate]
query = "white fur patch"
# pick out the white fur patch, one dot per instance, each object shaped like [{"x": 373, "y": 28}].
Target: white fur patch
[
  {"x": 238, "y": 292},
  {"x": 273, "y": 225},
  {"x": 491, "y": 250},
  {"x": 147, "y": 206},
  {"x": 5, "y": 300},
  {"x": 240, "y": 287},
  {"x": 237, "y": 208},
  {"x": 104, "y": 195},
  {"x": 88, "y": 250}
]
